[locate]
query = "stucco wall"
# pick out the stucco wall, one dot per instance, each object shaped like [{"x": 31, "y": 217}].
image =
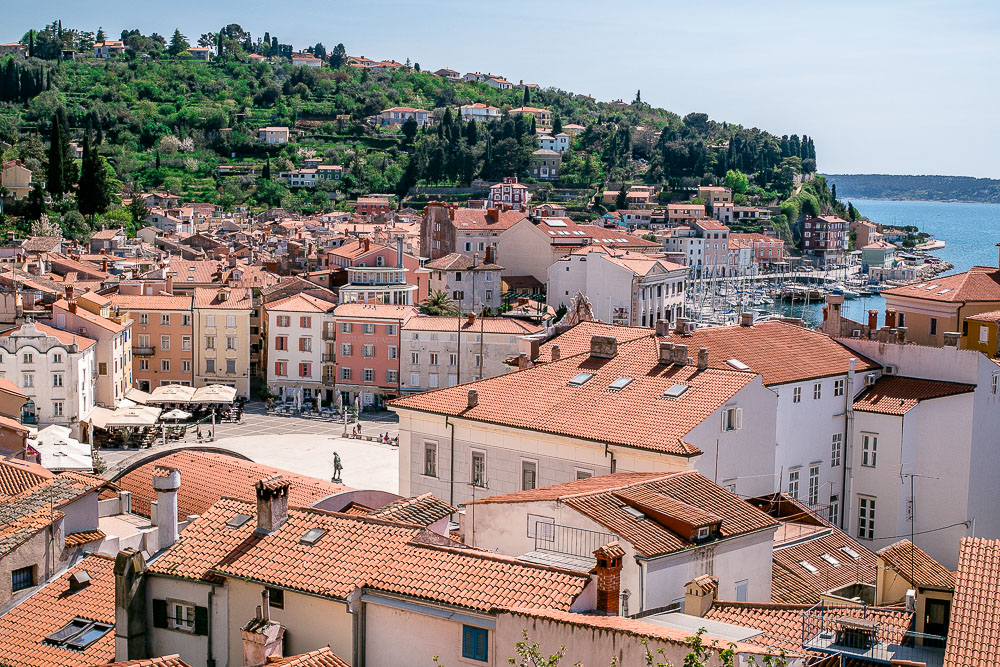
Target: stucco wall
[{"x": 193, "y": 649}]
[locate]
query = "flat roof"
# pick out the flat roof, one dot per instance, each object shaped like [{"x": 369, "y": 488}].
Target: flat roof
[{"x": 687, "y": 622}]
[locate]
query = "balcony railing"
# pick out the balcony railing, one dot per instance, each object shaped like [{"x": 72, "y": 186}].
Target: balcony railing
[
  {"x": 29, "y": 419},
  {"x": 329, "y": 358},
  {"x": 144, "y": 351},
  {"x": 860, "y": 636},
  {"x": 560, "y": 539},
  {"x": 329, "y": 334}
]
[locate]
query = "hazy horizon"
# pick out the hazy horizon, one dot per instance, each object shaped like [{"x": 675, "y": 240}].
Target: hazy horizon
[{"x": 899, "y": 88}]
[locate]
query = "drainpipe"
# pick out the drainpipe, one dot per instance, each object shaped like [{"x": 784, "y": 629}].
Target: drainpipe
[
  {"x": 451, "y": 468},
  {"x": 847, "y": 481},
  {"x": 210, "y": 661}
]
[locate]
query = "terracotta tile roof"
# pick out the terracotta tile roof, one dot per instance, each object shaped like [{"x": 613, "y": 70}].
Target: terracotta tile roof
[
  {"x": 807, "y": 587},
  {"x": 323, "y": 657},
  {"x": 991, "y": 316},
  {"x": 618, "y": 480},
  {"x": 781, "y": 624},
  {"x": 577, "y": 339},
  {"x": 541, "y": 399},
  {"x": 63, "y": 336},
  {"x": 207, "y": 476},
  {"x": 23, "y": 628},
  {"x": 980, "y": 283},
  {"x": 974, "y": 634},
  {"x": 41, "y": 243},
  {"x": 151, "y": 302},
  {"x": 379, "y": 311},
  {"x": 18, "y": 476},
  {"x": 474, "y": 218},
  {"x": 492, "y": 325},
  {"x": 301, "y": 303},
  {"x": 91, "y": 318},
  {"x": 459, "y": 262},
  {"x": 421, "y": 510},
  {"x": 165, "y": 661},
  {"x": 236, "y": 298},
  {"x": 84, "y": 537},
  {"x": 357, "y": 509},
  {"x": 360, "y": 551},
  {"x": 916, "y": 566},
  {"x": 894, "y": 395},
  {"x": 564, "y": 229}
]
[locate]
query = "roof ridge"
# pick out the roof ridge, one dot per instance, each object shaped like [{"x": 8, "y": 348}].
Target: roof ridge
[
  {"x": 502, "y": 558},
  {"x": 612, "y": 489}
]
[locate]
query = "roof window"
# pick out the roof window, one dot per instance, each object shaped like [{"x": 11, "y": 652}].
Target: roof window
[
  {"x": 313, "y": 536},
  {"x": 620, "y": 384},
  {"x": 808, "y": 567},
  {"x": 851, "y": 552},
  {"x": 581, "y": 379},
  {"x": 238, "y": 520},
  {"x": 676, "y": 391},
  {"x": 945, "y": 290},
  {"x": 930, "y": 287},
  {"x": 636, "y": 514},
  {"x": 831, "y": 560},
  {"x": 555, "y": 223},
  {"x": 737, "y": 364},
  {"x": 78, "y": 634}
]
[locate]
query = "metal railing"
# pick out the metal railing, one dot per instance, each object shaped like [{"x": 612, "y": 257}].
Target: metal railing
[
  {"x": 859, "y": 634},
  {"x": 329, "y": 358},
  {"x": 556, "y": 538},
  {"x": 146, "y": 351}
]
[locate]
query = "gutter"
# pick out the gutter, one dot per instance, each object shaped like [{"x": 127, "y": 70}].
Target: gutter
[
  {"x": 451, "y": 467},
  {"x": 848, "y": 441}
]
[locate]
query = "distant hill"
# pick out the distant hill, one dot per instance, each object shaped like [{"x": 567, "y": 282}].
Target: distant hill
[{"x": 930, "y": 188}]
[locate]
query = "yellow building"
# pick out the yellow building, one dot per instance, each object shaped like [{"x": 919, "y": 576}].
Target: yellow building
[
  {"x": 16, "y": 178},
  {"x": 942, "y": 305},
  {"x": 222, "y": 337},
  {"x": 982, "y": 332}
]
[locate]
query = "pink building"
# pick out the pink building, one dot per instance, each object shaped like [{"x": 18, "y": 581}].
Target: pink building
[
  {"x": 716, "y": 245},
  {"x": 766, "y": 249},
  {"x": 372, "y": 205},
  {"x": 368, "y": 348}
]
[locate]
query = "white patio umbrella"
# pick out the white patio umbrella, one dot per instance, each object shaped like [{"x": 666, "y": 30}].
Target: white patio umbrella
[{"x": 176, "y": 414}]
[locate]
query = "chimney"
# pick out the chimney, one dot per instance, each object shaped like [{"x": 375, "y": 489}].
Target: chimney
[
  {"x": 603, "y": 347},
  {"x": 471, "y": 319},
  {"x": 368, "y": 244},
  {"x": 72, "y": 306},
  {"x": 399, "y": 252},
  {"x": 556, "y": 353},
  {"x": 130, "y": 605},
  {"x": 170, "y": 284},
  {"x": 873, "y": 319},
  {"x": 890, "y": 318},
  {"x": 263, "y": 639},
  {"x": 746, "y": 319},
  {"x": 69, "y": 292},
  {"x": 662, "y": 328},
  {"x": 680, "y": 354},
  {"x": 104, "y": 265},
  {"x": 951, "y": 338},
  {"x": 488, "y": 259},
  {"x": 699, "y": 594},
  {"x": 702, "y": 358},
  {"x": 493, "y": 214},
  {"x": 608, "y": 571},
  {"x": 901, "y": 335},
  {"x": 166, "y": 481},
  {"x": 272, "y": 504},
  {"x": 451, "y": 213},
  {"x": 666, "y": 353},
  {"x": 522, "y": 362},
  {"x": 473, "y": 400},
  {"x": 681, "y": 324}
]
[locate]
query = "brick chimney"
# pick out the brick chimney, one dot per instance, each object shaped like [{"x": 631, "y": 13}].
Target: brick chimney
[
  {"x": 556, "y": 353},
  {"x": 263, "y": 639},
  {"x": 666, "y": 352},
  {"x": 368, "y": 244},
  {"x": 699, "y": 594},
  {"x": 170, "y": 283},
  {"x": 603, "y": 347},
  {"x": 130, "y": 605},
  {"x": 746, "y": 319},
  {"x": 680, "y": 354},
  {"x": 873, "y": 320},
  {"x": 69, "y": 292},
  {"x": 272, "y": 504},
  {"x": 608, "y": 571},
  {"x": 71, "y": 305},
  {"x": 488, "y": 259},
  {"x": 166, "y": 482},
  {"x": 702, "y": 358},
  {"x": 493, "y": 214},
  {"x": 890, "y": 318},
  {"x": 473, "y": 399}
]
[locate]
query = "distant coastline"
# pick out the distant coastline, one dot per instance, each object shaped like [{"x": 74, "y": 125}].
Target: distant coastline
[{"x": 956, "y": 189}]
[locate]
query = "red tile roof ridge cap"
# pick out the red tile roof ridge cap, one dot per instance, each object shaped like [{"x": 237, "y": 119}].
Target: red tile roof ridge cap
[
  {"x": 806, "y": 606},
  {"x": 344, "y": 515},
  {"x": 623, "y": 487},
  {"x": 500, "y": 558}
]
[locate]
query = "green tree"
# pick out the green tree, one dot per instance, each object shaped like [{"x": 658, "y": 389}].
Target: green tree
[
  {"x": 138, "y": 210},
  {"x": 438, "y": 303},
  {"x": 178, "y": 43},
  {"x": 526, "y": 99},
  {"x": 338, "y": 56},
  {"x": 556, "y": 124},
  {"x": 736, "y": 181},
  {"x": 265, "y": 173},
  {"x": 621, "y": 201},
  {"x": 35, "y": 208},
  {"x": 55, "y": 177},
  {"x": 638, "y": 97},
  {"x": 94, "y": 195},
  {"x": 409, "y": 130},
  {"x": 100, "y": 35}
]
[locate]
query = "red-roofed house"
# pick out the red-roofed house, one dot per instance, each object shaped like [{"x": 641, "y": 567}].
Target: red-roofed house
[
  {"x": 446, "y": 228},
  {"x": 300, "y": 351},
  {"x": 368, "y": 349},
  {"x": 163, "y": 341}
]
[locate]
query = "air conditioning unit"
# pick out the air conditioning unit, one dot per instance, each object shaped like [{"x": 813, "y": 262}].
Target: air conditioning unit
[
  {"x": 891, "y": 369},
  {"x": 911, "y": 600},
  {"x": 870, "y": 379},
  {"x": 690, "y": 327}
]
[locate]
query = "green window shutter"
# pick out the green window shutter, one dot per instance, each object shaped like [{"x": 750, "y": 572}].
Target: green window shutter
[
  {"x": 159, "y": 613},
  {"x": 201, "y": 620}
]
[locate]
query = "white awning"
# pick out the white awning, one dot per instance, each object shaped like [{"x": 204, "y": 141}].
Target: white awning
[
  {"x": 124, "y": 417},
  {"x": 214, "y": 393},
  {"x": 171, "y": 393}
]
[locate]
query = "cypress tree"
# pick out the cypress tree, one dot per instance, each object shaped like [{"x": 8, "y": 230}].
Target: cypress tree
[
  {"x": 266, "y": 171},
  {"x": 55, "y": 177},
  {"x": 94, "y": 195},
  {"x": 526, "y": 100}
]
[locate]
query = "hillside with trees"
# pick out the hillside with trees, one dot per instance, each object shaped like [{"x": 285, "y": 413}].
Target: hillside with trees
[
  {"x": 918, "y": 188},
  {"x": 154, "y": 117}
]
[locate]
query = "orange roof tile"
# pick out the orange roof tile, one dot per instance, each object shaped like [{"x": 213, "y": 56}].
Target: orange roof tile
[
  {"x": 422, "y": 510},
  {"x": 236, "y": 298},
  {"x": 781, "y": 624},
  {"x": 577, "y": 487},
  {"x": 974, "y": 634},
  {"x": 577, "y": 339},
  {"x": 96, "y": 320},
  {"x": 18, "y": 476},
  {"x": 474, "y": 218},
  {"x": 63, "y": 336},
  {"x": 491, "y": 325},
  {"x": 801, "y": 586},
  {"x": 165, "y": 661},
  {"x": 151, "y": 302},
  {"x": 541, "y": 399},
  {"x": 916, "y": 566},
  {"x": 323, "y": 657},
  {"x": 207, "y": 476},
  {"x": 378, "y": 311},
  {"x": 23, "y": 628},
  {"x": 894, "y": 395},
  {"x": 84, "y": 537},
  {"x": 301, "y": 303},
  {"x": 980, "y": 283},
  {"x": 459, "y": 262}
]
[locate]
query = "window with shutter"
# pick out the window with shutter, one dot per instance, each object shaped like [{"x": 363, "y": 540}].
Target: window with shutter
[
  {"x": 475, "y": 643},
  {"x": 201, "y": 620}
]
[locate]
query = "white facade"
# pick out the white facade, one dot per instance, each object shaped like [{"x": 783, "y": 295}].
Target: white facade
[
  {"x": 57, "y": 376},
  {"x": 948, "y": 443},
  {"x": 558, "y": 142},
  {"x": 480, "y": 112},
  {"x": 432, "y": 359},
  {"x": 471, "y": 291},
  {"x": 636, "y": 292},
  {"x": 295, "y": 352}
]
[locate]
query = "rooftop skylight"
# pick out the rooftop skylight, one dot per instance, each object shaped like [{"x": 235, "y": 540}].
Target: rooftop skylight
[
  {"x": 628, "y": 509},
  {"x": 851, "y": 552},
  {"x": 809, "y": 567},
  {"x": 830, "y": 559},
  {"x": 676, "y": 391},
  {"x": 580, "y": 379},
  {"x": 737, "y": 364},
  {"x": 238, "y": 520},
  {"x": 312, "y": 537},
  {"x": 620, "y": 384}
]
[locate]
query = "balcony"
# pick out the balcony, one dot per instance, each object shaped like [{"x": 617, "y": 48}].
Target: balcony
[
  {"x": 329, "y": 358},
  {"x": 863, "y": 638},
  {"x": 141, "y": 351},
  {"x": 564, "y": 546},
  {"x": 330, "y": 334},
  {"x": 29, "y": 419},
  {"x": 376, "y": 275}
]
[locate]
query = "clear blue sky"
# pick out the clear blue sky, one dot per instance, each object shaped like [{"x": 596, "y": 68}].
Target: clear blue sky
[{"x": 905, "y": 87}]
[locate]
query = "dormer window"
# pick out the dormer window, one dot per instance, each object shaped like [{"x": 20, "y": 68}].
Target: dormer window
[{"x": 703, "y": 533}]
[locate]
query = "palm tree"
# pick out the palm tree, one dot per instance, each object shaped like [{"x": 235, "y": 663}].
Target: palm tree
[{"x": 438, "y": 303}]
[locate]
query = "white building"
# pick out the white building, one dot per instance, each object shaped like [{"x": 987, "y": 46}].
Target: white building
[
  {"x": 508, "y": 194},
  {"x": 611, "y": 407},
  {"x": 705, "y": 243},
  {"x": 558, "y": 142},
  {"x": 470, "y": 283},
  {"x": 673, "y": 527},
  {"x": 445, "y": 351},
  {"x": 296, "y": 351},
  {"x": 623, "y": 288},
  {"x": 273, "y": 135},
  {"x": 923, "y": 444},
  {"x": 478, "y": 111},
  {"x": 55, "y": 369}
]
